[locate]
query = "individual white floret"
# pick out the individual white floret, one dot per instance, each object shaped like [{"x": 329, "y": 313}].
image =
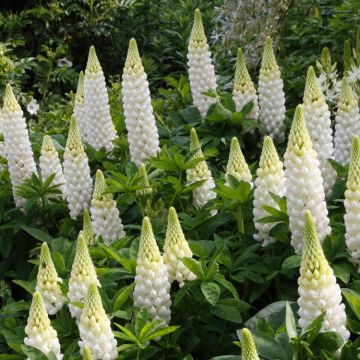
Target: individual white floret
[
  {"x": 95, "y": 328},
  {"x": 318, "y": 290},
  {"x": 176, "y": 247},
  {"x": 304, "y": 184},
  {"x": 271, "y": 94},
  {"x": 347, "y": 123},
  {"x": 270, "y": 179},
  {"x": 152, "y": 285},
  {"x": 80, "y": 109},
  {"x": 40, "y": 333},
  {"x": 318, "y": 123},
  {"x": 201, "y": 69},
  {"x": 78, "y": 181},
  {"x": 82, "y": 275},
  {"x": 18, "y": 150},
  {"x": 140, "y": 123},
  {"x": 100, "y": 130},
  {"x": 105, "y": 215}
]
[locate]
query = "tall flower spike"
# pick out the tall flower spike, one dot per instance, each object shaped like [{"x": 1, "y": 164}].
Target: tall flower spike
[
  {"x": 237, "y": 165},
  {"x": 100, "y": 130},
  {"x": 95, "y": 328},
  {"x": 200, "y": 67},
  {"x": 48, "y": 282},
  {"x": 104, "y": 213},
  {"x": 40, "y": 333},
  {"x": 152, "y": 286},
  {"x": 318, "y": 290},
  {"x": 176, "y": 247},
  {"x": 203, "y": 193},
  {"x": 82, "y": 275},
  {"x": 140, "y": 123},
  {"x": 270, "y": 178},
  {"x": 80, "y": 109},
  {"x": 77, "y": 172},
  {"x": 304, "y": 185},
  {"x": 248, "y": 346},
  {"x": 244, "y": 89},
  {"x": 2, "y": 145},
  {"x": 17, "y": 145},
  {"x": 318, "y": 122},
  {"x": 347, "y": 123},
  {"x": 50, "y": 163},
  {"x": 271, "y": 94},
  {"x": 352, "y": 204},
  {"x": 88, "y": 230},
  {"x": 87, "y": 353}
]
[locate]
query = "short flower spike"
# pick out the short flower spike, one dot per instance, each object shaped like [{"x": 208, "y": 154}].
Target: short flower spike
[
  {"x": 133, "y": 62},
  {"x": 268, "y": 62},
  {"x": 88, "y": 230},
  {"x": 326, "y": 59},
  {"x": 10, "y": 104},
  {"x": 318, "y": 289},
  {"x": 248, "y": 346},
  {"x": 79, "y": 107},
  {"x": 93, "y": 65},
  {"x": 145, "y": 191},
  {"x": 304, "y": 185}
]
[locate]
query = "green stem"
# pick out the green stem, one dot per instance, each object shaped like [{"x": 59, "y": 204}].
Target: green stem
[
  {"x": 138, "y": 354},
  {"x": 240, "y": 220}
]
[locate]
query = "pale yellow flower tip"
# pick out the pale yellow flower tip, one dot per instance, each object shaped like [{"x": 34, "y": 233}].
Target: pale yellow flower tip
[
  {"x": 248, "y": 346},
  {"x": 197, "y": 37},
  {"x": 93, "y": 304},
  {"x": 237, "y": 163},
  {"x": 347, "y": 98},
  {"x": 10, "y": 102},
  {"x": 79, "y": 97},
  {"x": 353, "y": 182},
  {"x": 312, "y": 91},
  {"x": 88, "y": 230},
  {"x": 100, "y": 187},
  {"x": 38, "y": 317},
  {"x": 133, "y": 62},
  {"x": 194, "y": 141},
  {"x": 326, "y": 59},
  {"x": 268, "y": 62},
  {"x": 47, "y": 144},
  {"x": 269, "y": 156},
  {"x": 74, "y": 143},
  {"x": 93, "y": 64},
  {"x": 242, "y": 76},
  {"x": 148, "y": 249}
]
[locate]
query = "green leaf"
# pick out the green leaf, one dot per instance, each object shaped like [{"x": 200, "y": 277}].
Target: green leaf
[
  {"x": 161, "y": 332},
  {"x": 353, "y": 300},
  {"x": 129, "y": 336},
  {"x": 37, "y": 234},
  {"x": 128, "y": 264},
  {"x": 194, "y": 266},
  {"x": 29, "y": 286},
  {"x": 123, "y": 295},
  {"x": 329, "y": 341},
  {"x": 211, "y": 291},
  {"x": 292, "y": 262},
  {"x": 33, "y": 353},
  {"x": 141, "y": 321},
  {"x": 219, "y": 278},
  {"x": 227, "y": 312},
  {"x": 290, "y": 322},
  {"x": 313, "y": 329},
  {"x": 268, "y": 348}
]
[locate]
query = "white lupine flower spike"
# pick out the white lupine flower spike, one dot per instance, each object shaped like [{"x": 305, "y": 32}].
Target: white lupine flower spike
[
  {"x": 201, "y": 69},
  {"x": 205, "y": 192},
  {"x": 318, "y": 123},
  {"x": 248, "y": 346},
  {"x": 352, "y": 205},
  {"x": 87, "y": 353},
  {"x": 100, "y": 130},
  {"x": 80, "y": 109},
  {"x": 244, "y": 89},
  {"x": 40, "y": 334},
  {"x": 140, "y": 123},
  {"x": 176, "y": 247},
  {"x": 88, "y": 230},
  {"x": 50, "y": 163},
  {"x": 2, "y": 146},
  {"x": 318, "y": 290},
  {"x": 347, "y": 123},
  {"x": 271, "y": 94},
  {"x": 48, "y": 282},
  {"x": 76, "y": 172},
  {"x": 270, "y": 178},
  {"x": 104, "y": 213},
  {"x": 95, "y": 328},
  {"x": 82, "y": 275},
  {"x": 237, "y": 165},
  {"x": 304, "y": 185},
  {"x": 18, "y": 150},
  {"x": 152, "y": 285}
]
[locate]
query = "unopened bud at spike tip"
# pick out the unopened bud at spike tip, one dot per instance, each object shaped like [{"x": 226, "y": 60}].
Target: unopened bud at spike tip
[
  {"x": 10, "y": 102},
  {"x": 248, "y": 346},
  {"x": 93, "y": 64}
]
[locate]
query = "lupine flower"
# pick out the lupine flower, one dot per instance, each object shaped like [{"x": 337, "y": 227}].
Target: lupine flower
[
  {"x": 76, "y": 172},
  {"x": 40, "y": 333},
  {"x": 304, "y": 186},
  {"x": 203, "y": 193},
  {"x": 82, "y": 275},
  {"x": 352, "y": 203},
  {"x": 244, "y": 89},
  {"x": 200, "y": 67},
  {"x": 318, "y": 289},
  {"x": 100, "y": 130},
  {"x": 18, "y": 150},
  {"x": 248, "y": 351},
  {"x": 88, "y": 230},
  {"x": 95, "y": 328},
  {"x": 140, "y": 123},
  {"x": 50, "y": 163},
  {"x": 237, "y": 165},
  {"x": 2, "y": 146},
  {"x": 271, "y": 94},
  {"x": 176, "y": 247},
  {"x": 270, "y": 178},
  {"x": 347, "y": 123},
  {"x": 105, "y": 215},
  {"x": 80, "y": 109},
  {"x": 318, "y": 123},
  {"x": 87, "y": 353},
  {"x": 48, "y": 282},
  {"x": 152, "y": 284},
  {"x": 32, "y": 107}
]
